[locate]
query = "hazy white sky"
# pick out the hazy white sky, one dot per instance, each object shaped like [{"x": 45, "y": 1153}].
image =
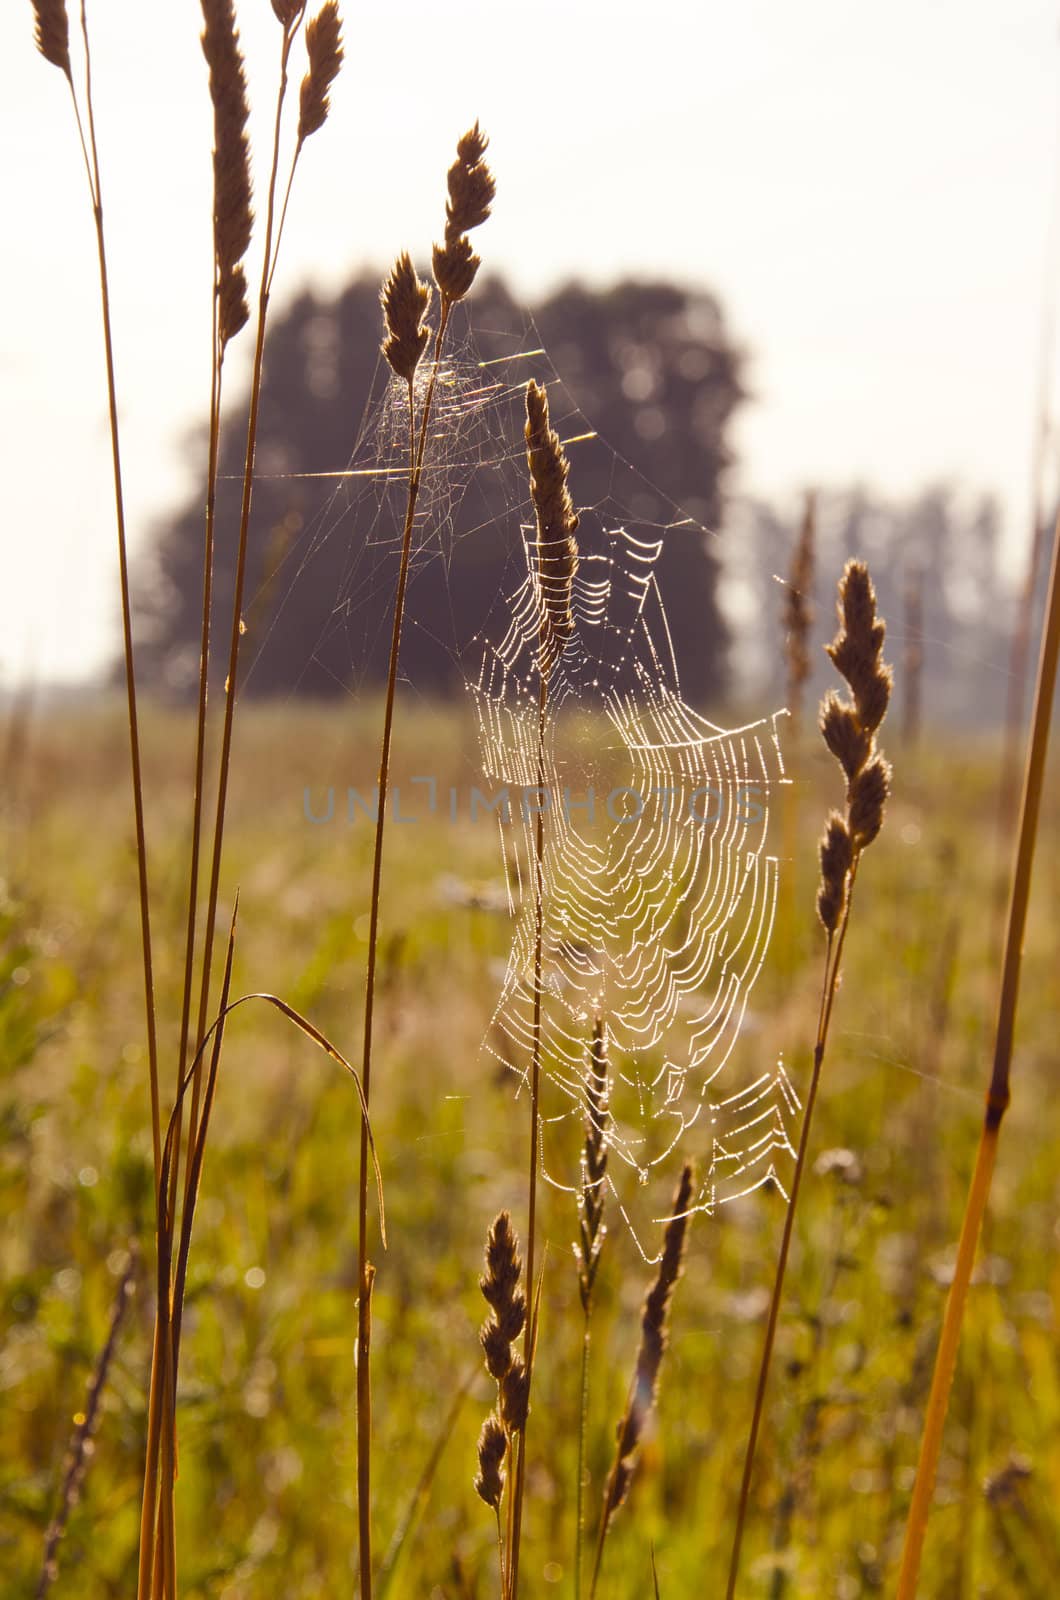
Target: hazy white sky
[{"x": 868, "y": 189}]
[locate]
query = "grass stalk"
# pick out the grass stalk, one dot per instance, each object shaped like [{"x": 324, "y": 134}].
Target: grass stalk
[
  {"x": 587, "y": 1252},
  {"x": 583, "y": 1428},
  {"x": 365, "y": 1272},
  {"x": 216, "y": 372},
  {"x": 270, "y": 250},
  {"x": 52, "y": 41},
  {"x": 998, "y": 1093},
  {"x": 535, "y": 1117},
  {"x": 644, "y": 1383},
  {"x": 849, "y": 730},
  {"x": 554, "y": 563},
  {"x": 405, "y": 301}
]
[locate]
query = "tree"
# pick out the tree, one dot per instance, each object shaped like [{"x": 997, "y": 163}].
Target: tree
[{"x": 649, "y": 365}]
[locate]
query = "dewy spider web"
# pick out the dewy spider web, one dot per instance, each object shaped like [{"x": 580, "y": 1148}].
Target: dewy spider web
[
  {"x": 658, "y": 888},
  {"x": 659, "y": 884}
]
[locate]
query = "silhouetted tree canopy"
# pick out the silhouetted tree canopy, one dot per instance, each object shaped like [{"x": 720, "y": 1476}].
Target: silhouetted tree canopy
[{"x": 651, "y": 367}]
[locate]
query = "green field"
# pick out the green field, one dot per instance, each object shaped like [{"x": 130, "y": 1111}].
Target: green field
[{"x": 266, "y": 1494}]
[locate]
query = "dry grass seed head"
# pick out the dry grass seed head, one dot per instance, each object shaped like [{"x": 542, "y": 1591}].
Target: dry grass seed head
[
  {"x": 502, "y": 1293},
  {"x": 844, "y": 735},
  {"x": 232, "y": 214},
  {"x": 515, "y": 1396},
  {"x": 837, "y": 852},
  {"x": 52, "y": 33},
  {"x": 288, "y": 11},
  {"x": 323, "y": 42},
  {"x": 492, "y": 1445},
  {"x": 405, "y": 301},
  {"x": 594, "y": 1166},
  {"x": 849, "y": 731},
  {"x": 557, "y": 522},
  {"x": 471, "y": 194},
  {"x": 653, "y": 1336},
  {"x": 867, "y": 800},
  {"x": 856, "y": 649}
]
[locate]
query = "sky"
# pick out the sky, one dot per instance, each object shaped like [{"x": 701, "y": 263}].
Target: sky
[{"x": 869, "y": 190}]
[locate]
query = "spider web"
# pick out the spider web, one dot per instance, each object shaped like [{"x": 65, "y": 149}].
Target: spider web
[
  {"x": 659, "y": 886},
  {"x": 658, "y": 890}
]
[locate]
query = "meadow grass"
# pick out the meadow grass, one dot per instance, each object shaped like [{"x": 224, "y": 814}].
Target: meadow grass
[{"x": 268, "y": 1458}]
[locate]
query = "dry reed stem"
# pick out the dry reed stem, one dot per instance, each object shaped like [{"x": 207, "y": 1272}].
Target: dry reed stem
[
  {"x": 998, "y": 1094},
  {"x": 644, "y": 1387},
  {"x": 79, "y": 1450},
  {"x": 849, "y": 730},
  {"x": 417, "y": 449}
]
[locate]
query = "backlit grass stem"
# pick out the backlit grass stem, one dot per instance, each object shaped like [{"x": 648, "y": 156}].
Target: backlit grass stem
[
  {"x": 554, "y": 563},
  {"x": 52, "y": 35},
  {"x": 849, "y": 730},
  {"x": 998, "y": 1094},
  {"x": 405, "y": 302}
]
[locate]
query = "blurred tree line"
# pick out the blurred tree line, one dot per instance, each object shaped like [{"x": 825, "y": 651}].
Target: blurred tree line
[
  {"x": 935, "y": 561},
  {"x": 653, "y": 369}
]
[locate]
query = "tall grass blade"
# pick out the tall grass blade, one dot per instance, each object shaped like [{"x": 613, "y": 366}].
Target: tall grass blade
[{"x": 998, "y": 1094}]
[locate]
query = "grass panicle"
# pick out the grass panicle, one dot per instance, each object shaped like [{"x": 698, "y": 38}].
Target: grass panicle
[
  {"x": 233, "y": 216},
  {"x": 492, "y": 1449},
  {"x": 591, "y": 1228},
  {"x": 856, "y": 650},
  {"x": 288, "y": 12},
  {"x": 501, "y": 1286},
  {"x": 848, "y": 728},
  {"x": 52, "y": 33},
  {"x": 654, "y": 1330},
  {"x": 556, "y": 550},
  {"x": 323, "y": 42},
  {"x": 471, "y": 194},
  {"x": 405, "y": 302}
]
